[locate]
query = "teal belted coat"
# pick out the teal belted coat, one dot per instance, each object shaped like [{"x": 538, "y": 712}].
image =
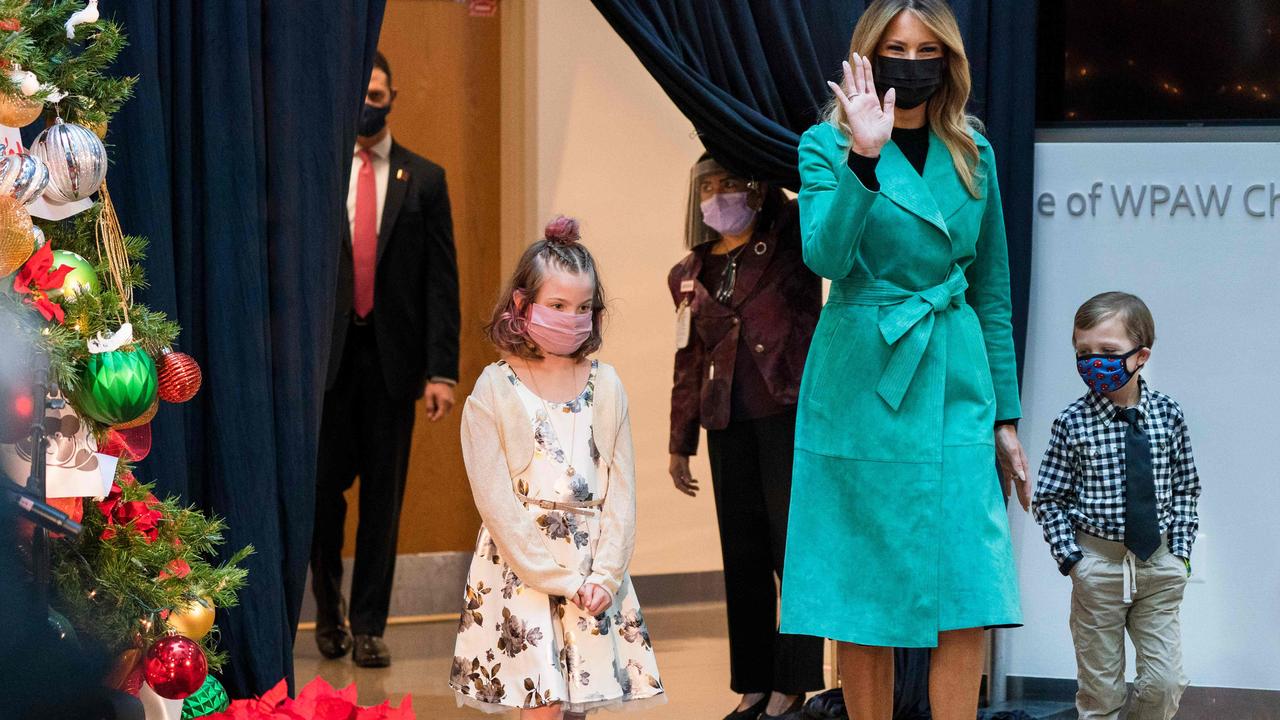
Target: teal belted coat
[{"x": 898, "y": 528}]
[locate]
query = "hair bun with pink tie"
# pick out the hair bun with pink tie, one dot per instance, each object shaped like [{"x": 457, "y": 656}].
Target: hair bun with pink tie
[{"x": 562, "y": 230}]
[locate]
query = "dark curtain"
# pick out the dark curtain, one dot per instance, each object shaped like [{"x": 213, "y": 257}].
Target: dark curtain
[
  {"x": 1000, "y": 38},
  {"x": 751, "y": 77},
  {"x": 233, "y": 159}
]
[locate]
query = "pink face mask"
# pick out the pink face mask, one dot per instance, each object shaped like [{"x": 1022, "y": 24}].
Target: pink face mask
[
  {"x": 556, "y": 332},
  {"x": 728, "y": 213}
]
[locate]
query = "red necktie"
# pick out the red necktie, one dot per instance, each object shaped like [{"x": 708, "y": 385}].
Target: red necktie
[{"x": 364, "y": 241}]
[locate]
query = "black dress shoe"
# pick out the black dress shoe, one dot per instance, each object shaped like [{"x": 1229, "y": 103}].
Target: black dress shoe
[
  {"x": 791, "y": 713},
  {"x": 333, "y": 642},
  {"x": 371, "y": 652},
  {"x": 751, "y": 713}
]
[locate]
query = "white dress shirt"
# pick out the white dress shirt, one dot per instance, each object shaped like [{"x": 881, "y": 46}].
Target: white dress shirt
[{"x": 379, "y": 155}]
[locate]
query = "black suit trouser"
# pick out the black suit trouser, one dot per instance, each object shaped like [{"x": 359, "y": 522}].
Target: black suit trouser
[
  {"x": 365, "y": 433},
  {"x": 751, "y": 477}
]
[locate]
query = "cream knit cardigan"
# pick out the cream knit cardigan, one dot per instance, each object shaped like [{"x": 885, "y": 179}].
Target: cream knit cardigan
[{"x": 498, "y": 446}]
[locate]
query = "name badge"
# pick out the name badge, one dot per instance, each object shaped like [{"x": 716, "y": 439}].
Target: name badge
[
  {"x": 686, "y": 286},
  {"x": 684, "y": 323}
]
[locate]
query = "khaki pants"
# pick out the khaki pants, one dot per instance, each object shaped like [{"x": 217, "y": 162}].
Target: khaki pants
[{"x": 1099, "y": 617}]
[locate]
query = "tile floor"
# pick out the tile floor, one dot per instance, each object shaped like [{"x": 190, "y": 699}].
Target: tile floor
[{"x": 690, "y": 640}]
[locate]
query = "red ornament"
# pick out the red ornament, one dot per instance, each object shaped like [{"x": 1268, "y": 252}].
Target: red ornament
[
  {"x": 10, "y": 25},
  {"x": 179, "y": 376},
  {"x": 175, "y": 667},
  {"x": 177, "y": 568}
]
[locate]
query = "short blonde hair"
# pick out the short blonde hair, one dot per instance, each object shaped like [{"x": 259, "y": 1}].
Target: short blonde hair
[{"x": 1134, "y": 313}]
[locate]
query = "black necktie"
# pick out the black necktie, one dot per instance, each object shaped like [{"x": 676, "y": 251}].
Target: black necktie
[{"x": 1141, "y": 526}]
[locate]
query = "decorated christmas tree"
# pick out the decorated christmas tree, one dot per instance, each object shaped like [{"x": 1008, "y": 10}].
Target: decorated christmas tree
[{"x": 140, "y": 581}]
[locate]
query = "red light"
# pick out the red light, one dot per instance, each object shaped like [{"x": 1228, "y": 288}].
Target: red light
[{"x": 23, "y": 406}]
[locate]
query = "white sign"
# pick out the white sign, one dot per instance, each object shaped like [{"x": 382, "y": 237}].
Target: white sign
[
  {"x": 1193, "y": 229},
  {"x": 1137, "y": 200}
]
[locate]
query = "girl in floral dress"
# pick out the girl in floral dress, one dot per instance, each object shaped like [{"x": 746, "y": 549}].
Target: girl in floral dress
[{"x": 550, "y": 622}]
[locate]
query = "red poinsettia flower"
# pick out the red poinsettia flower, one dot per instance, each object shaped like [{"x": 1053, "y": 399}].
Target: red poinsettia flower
[
  {"x": 108, "y": 504},
  {"x": 317, "y": 701},
  {"x": 38, "y": 276},
  {"x": 145, "y": 519}
]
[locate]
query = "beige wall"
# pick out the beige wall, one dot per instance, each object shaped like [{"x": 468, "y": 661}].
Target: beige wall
[
  {"x": 444, "y": 64},
  {"x": 601, "y": 141}
]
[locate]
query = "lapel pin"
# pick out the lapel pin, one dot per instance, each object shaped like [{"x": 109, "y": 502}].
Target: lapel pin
[{"x": 402, "y": 174}]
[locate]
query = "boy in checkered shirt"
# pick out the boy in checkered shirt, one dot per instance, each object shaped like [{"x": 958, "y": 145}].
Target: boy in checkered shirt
[{"x": 1117, "y": 501}]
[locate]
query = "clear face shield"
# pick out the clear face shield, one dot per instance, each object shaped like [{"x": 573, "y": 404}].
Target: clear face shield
[{"x": 709, "y": 178}]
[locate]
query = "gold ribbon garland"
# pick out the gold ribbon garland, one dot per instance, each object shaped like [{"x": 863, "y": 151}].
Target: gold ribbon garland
[{"x": 110, "y": 239}]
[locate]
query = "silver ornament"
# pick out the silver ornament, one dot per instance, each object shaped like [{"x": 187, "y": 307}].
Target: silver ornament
[
  {"x": 23, "y": 176},
  {"x": 37, "y": 236},
  {"x": 76, "y": 158}
]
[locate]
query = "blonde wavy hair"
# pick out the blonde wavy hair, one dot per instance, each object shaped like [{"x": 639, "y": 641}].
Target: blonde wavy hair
[{"x": 946, "y": 109}]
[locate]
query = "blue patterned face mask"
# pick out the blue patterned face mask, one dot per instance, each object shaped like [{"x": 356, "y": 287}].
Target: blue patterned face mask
[{"x": 1105, "y": 373}]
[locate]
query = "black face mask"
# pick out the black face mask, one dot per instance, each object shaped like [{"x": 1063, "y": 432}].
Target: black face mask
[
  {"x": 372, "y": 120},
  {"x": 913, "y": 81}
]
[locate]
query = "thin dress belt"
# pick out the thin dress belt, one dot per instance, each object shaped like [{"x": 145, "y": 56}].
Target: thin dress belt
[{"x": 578, "y": 506}]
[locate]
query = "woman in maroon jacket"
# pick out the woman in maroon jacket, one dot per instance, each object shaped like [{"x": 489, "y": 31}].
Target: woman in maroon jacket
[{"x": 746, "y": 309}]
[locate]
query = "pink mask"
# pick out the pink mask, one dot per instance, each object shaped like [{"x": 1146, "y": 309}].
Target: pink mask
[
  {"x": 728, "y": 213},
  {"x": 556, "y": 332}
]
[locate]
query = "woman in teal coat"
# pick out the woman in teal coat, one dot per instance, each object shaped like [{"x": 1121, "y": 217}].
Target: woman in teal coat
[{"x": 898, "y": 535}]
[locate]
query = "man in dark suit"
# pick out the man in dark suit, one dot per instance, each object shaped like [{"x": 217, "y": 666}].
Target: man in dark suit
[{"x": 395, "y": 339}]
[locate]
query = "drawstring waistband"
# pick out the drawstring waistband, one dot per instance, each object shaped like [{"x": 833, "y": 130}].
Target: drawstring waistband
[
  {"x": 1115, "y": 552},
  {"x": 1130, "y": 576}
]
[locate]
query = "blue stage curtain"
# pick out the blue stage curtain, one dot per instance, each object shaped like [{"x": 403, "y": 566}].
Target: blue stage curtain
[
  {"x": 233, "y": 158},
  {"x": 751, "y": 77}
]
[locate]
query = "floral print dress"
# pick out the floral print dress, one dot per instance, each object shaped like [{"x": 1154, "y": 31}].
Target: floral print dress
[{"x": 520, "y": 648}]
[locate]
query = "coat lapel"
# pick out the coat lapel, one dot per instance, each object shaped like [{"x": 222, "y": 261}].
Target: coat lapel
[
  {"x": 397, "y": 187},
  {"x": 900, "y": 182},
  {"x": 948, "y": 191},
  {"x": 756, "y": 256}
]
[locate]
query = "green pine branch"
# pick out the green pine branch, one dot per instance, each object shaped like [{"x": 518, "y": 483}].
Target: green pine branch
[
  {"x": 112, "y": 590},
  {"x": 77, "y": 68}
]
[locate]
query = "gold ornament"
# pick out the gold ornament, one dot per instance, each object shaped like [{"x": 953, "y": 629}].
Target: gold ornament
[
  {"x": 16, "y": 239},
  {"x": 195, "y": 620},
  {"x": 99, "y": 129},
  {"x": 122, "y": 668},
  {"x": 17, "y": 111}
]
